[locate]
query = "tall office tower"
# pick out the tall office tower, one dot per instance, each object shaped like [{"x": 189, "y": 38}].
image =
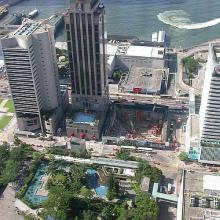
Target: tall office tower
[
  {"x": 30, "y": 60},
  {"x": 209, "y": 110},
  {"x": 86, "y": 40}
]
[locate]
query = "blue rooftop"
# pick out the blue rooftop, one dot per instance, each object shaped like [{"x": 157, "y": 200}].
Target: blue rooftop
[{"x": 81, "y": 117}]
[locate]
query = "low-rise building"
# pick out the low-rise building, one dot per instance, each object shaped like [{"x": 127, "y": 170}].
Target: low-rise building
[
  {"x": 145, "y": 80},
  {"x": 139, "y": 55},
  {"x": 84, "y": 125},
  {"x": 201, "y": 196}
]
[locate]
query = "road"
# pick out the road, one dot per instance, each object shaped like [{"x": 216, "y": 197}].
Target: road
[
  {"x": 171, "y": 103},
  {"x": 148, "y": 99},
  {"x": 7, "y": 135}
]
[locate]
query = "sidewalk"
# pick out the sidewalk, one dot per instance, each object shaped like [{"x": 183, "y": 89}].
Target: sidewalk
[
  {"x": 2, "y": 104},
  {"x": 7, "y": 205}
]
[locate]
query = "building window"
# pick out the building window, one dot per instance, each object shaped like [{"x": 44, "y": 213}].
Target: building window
[{"x": 68, "y": 35}]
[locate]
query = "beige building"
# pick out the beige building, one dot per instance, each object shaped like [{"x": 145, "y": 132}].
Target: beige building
[{"x": 30, "y": 60}]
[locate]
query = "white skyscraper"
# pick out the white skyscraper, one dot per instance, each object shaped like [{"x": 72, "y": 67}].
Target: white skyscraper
[
  {"x": 30, "y": 60},
  {"x": 210, "y": 108}
]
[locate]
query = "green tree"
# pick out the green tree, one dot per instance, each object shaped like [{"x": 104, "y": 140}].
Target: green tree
[
  {"x": 107, "y": 213},
  {"x": 124, "y": 155},
  {"x": 88, "y": 215},
  {"x": 4, "y": 154},
  {"x": 10, "y": 172},
  {"x": 183, "y": 156},
  {"x": 117, "y": 75},
  {"x": 191, "y": 65},
  {"x": 54, "y": 165},
  {"x": 145, "y": 208},
  {"x": 75, "y": 177},
  {"x": 17, "y": 141},
  {"x": 63, "y": 71},
  {"x": 144, "y": 169},
  {"x": 58, "y": 203},
  {"x": 113, "y": 187},
  {"x": 86, "y": 193},
  {"x": 121, "y": 212},
  {"x": 22, "y": 152},
  {"x": 81, "y": 153},
  {"x": 37, "y": 156}
]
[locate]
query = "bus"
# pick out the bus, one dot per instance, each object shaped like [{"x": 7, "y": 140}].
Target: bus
[
  {"x": 131, "y": 148},
  {"x": 145, "y": 149}
]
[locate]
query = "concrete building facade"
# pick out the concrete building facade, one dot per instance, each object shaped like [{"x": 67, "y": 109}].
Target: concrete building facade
[
  {"x": 209, "y": 110},
  {"x": 30, "y": 60},
  {"x": 86, "y": 42},
  {"x": 86, "y": 45}
]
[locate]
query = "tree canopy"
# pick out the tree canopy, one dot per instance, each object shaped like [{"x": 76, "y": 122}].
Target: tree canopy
[
  {"x": 190, "y": 64},
  {"x": 145, "y": 169},
  {"x": 58, "y": 202},
  {"x": 11, "y": 161},
  {"x": 145, "y": 208},
  {"x": 113, "y": 187},
  {"x": 117, "y": 74},
  {"x": 124, "y": 155},
  {"x": 183, "y": 156}
]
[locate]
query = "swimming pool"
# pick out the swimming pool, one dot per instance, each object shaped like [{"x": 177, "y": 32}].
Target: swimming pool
[
  {"x": 81, "y": 117},
  {"x": 92, "y": 178},
  {"x": 101, "y": 191},
  {"x": 36, "y": 183}
]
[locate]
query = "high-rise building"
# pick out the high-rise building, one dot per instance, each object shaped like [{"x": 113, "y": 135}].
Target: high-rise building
[
  {"x": 86, "y": 41},
  {"x": 209, "y": 110},
  {"x": 30, "y": 60}
]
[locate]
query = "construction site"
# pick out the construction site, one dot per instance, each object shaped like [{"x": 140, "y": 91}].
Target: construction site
[{"x": 137, "y": 122}]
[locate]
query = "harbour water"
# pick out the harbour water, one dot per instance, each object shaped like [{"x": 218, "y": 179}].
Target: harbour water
[{"x": 187, "y": 22}]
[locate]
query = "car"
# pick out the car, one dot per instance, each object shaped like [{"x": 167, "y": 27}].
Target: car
[{"x": 132, "y": 98}]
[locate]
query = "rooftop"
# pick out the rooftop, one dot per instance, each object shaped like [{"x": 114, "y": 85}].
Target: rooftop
[
  {"x": 27, "y": 29},
  {"x": 145, "y": 51},
  {"x": 211, "y": 182},
  {"x": 148, "y": 79},
  {"x": 111, "y": 49},
  {"x": 81, "y": 117},
  {"x": 136, "y": 50},
  {"x": 199, "y": 202}
]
